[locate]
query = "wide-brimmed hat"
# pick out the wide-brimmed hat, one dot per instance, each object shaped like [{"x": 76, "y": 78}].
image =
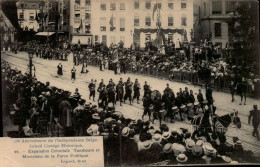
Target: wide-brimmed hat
[
  {"x": 182, "y": 158},
  {"x": 167, "y": 148},
  {"x": 196, "y": 103},
  {"x": 95, "y": 116},
  {"x": 239, "y": 142},
  {"x": 178, "y": 149},
  {"x": 209, "y": 150},
  {"x": 157, "y": 138},
  {"x": 189, "y": 105},
  {"x": 175, "y": 109},
  {"x": 147, "y": 144},
  {"x": 199, "y": 142},
  {"x": 197, "y": 150},
  {"x": 125, "y": 131},
  {"x": 204, "y": 139},
  {"x": 189, "y": 143},
  {"x": 226, "y": 159},
  {"x": 166, "y": 135}
]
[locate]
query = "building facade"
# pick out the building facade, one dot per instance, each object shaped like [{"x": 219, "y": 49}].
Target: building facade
[
  {"x": 131, "y": 21},
  {"x": 213, "y": 18},
  {"x": 81, "y": 22},
  {"x": 7, "y": 30},
  {"x": 27, "y": 11},
  {"x": 40, "y": 15}
]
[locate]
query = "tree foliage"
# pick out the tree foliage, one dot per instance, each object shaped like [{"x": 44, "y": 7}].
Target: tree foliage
[{"x": 243, "y": 35}]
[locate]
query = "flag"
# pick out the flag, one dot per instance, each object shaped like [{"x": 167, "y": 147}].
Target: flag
[
  {"x": 156, "y": 6},
  {"x": 115, "y": 56},
  {"x": 36, "y": 17},
  {"x": 80, "y": 27},
  {"x": 111, "y": 21}
]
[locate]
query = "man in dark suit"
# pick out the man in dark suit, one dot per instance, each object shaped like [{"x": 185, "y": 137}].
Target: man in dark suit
[
  {"x": 200, "y": 98},
  {"x": 255, "y": 115}
]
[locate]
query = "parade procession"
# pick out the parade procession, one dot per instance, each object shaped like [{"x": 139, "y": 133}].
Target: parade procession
[{"x": 172, "y": 83}]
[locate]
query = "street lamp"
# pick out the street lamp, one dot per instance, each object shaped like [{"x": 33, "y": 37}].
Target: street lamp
[{"x": 30, "y": 54}]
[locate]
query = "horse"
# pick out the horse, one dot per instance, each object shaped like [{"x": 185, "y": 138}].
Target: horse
[
  {"x": 222, "y": 123},
  {"x": 219, "y": 123}
]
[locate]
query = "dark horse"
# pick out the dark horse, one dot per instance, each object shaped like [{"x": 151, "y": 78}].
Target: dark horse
[{"x": 218, "y": 123}]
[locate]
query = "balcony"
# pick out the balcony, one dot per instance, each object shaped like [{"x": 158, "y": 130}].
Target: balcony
[{"x": 77, "y": 7}]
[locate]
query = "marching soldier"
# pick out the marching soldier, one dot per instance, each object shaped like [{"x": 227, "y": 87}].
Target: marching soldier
[
  {"x": 111, "y": 92},
  {"x": 128, "y": 90},
  {"x": 146, "y": 105},
  {"x": 136, "y": 90},
  {"x": 92, "y": 91},
  {"x": 146, "y": 87},
  {"x": 120, "y": 91},
  {"x": 200, "y": 98}
]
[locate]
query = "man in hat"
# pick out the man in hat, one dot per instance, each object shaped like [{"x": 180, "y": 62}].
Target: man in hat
[
  {"x": 130, "y": 150},
  {"x": 195, "y": 157},
  {"x": 93, "y": 130},
  {"x": 255, "y": 115},
  {"x": 59, "y": 72},
  {"x": 92, "y": 90},
  {"x": 182, "y": 159},
  {"x": 73, "y": 73},
  {"x": 78, "y": 114},
  {"x": 137, "y": 90}
]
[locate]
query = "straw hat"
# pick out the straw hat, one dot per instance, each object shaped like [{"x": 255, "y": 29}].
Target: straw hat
[
  {"x": 175, "y": 109},
  {"x": 157, "y": 138},
  {"x": 125, "y": 131},
  {"x": 189, "y": 105},
  {"x": 167, "y": 148},
  {"x": 147, "y": 144},
  {"x": 209, "y": 150},
  {"x": 189, "y": 144},
  {"x": 197, "y": 150},
  {"x": 226, "y": 159},
  {"x": 200, "y": 143},
  {"x": 95, "y": 116},
  {"x": 202, "y": 138},
  {"x": 166, "y": 135},
  {"x": 182, "y": 158}
]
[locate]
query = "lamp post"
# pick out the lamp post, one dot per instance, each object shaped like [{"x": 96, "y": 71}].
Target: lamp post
[{"x": 30, "y": 53}]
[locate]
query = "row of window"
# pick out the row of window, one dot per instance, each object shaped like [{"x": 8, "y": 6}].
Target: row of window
[
  {"x": 230, "y": 7},
  {"x": 136, "y": 5},
  {"x": 87, "y": 2},
  {"x": 103, "y": 22}
]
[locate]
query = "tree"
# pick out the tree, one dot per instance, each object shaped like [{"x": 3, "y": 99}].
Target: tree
[{"x": 244, "y": 37}]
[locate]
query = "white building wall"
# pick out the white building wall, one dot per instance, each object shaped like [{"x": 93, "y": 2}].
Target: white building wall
[
  {"x": 31, "y": 24},
  {"x": 129, "y": 13}
]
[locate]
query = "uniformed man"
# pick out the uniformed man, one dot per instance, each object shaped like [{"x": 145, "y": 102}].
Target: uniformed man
[
  {"x": 128, "y": 90},
  {"x": 255, "y": 115},
  {"x": 92, "y": 91},
  {"x": 136, "y": 90},
  {"x": 146, "y": 104},
  {"x": 209, "y": 96},
  {"x": 146, "y": 87},
  {"x": 120, "y": 91}
]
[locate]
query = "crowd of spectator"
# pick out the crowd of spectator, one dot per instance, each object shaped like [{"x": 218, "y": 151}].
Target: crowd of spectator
[{"x": 41, "y": 109}]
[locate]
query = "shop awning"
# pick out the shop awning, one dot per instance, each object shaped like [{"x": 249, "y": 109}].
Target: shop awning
[
  {"x": 84, "y": 40},
  {"x": 45, "y": 33}
]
